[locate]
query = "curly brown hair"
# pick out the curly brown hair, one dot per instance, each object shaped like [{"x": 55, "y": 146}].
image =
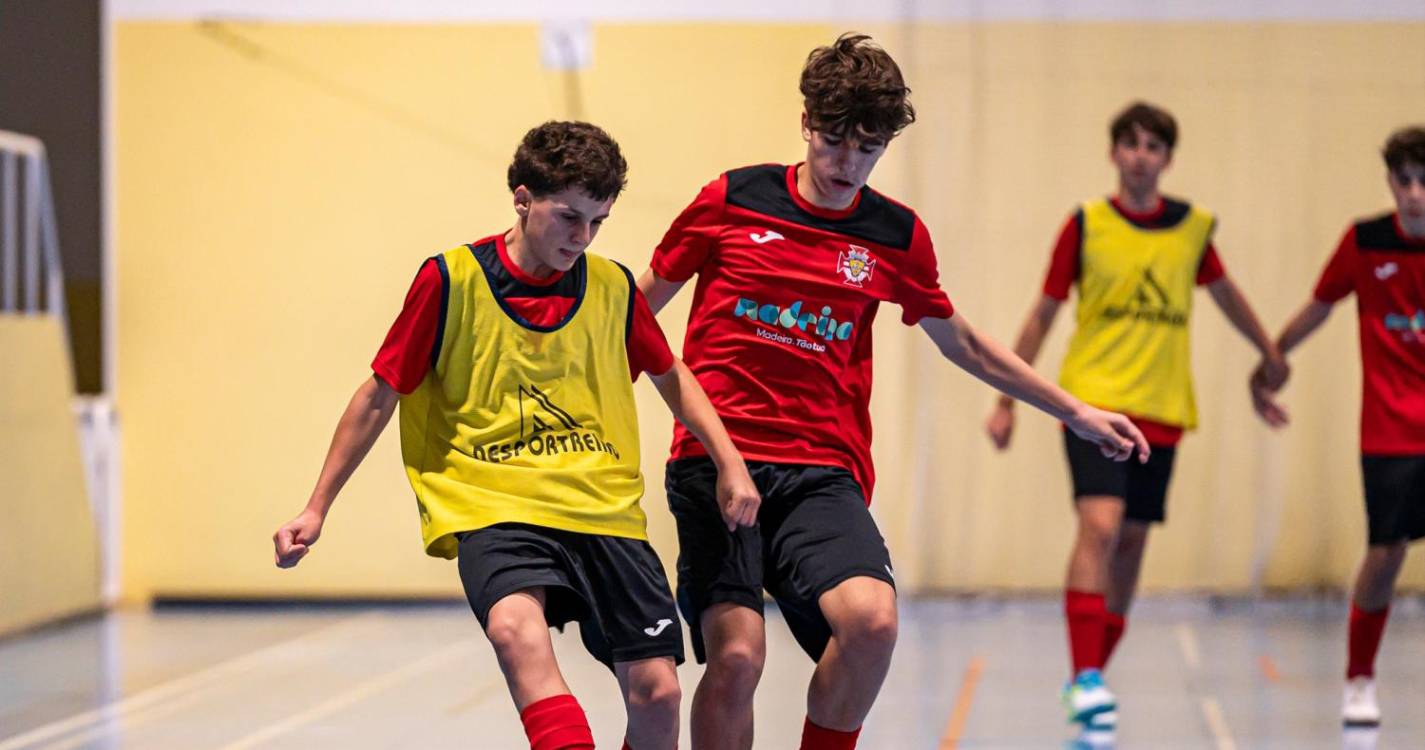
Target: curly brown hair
[
  {"x": 1151, "y": 118},
  {"x": 558, "y": 155},
  {"x": 853, "y": 86},
  {"x": 1406, "y": 146}
]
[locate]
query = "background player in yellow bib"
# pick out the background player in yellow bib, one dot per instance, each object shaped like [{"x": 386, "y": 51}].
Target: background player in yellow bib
[
  {"x": 513, "y": 362},
  {"x": 1135, "y": 259}
]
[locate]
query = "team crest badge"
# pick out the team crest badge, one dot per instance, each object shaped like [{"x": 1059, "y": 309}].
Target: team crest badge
[{"x": 855, "y": 265}]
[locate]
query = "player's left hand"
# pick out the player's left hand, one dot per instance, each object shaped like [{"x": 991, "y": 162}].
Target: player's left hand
[
  {"x": 737, "y": 496},
  {"x": 1272, "y": 373},
  {"x": 294, "y": 540},
  {"x": 1115, "y": 435}
]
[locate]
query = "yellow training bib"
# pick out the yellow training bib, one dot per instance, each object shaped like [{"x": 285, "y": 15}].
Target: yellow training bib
[
  {"x": 1131, "y": 350},
  {"x": 521, "y": 423}
]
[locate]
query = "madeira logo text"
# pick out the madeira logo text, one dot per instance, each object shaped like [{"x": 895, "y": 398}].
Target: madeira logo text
[{"x": 822, "y": 325}]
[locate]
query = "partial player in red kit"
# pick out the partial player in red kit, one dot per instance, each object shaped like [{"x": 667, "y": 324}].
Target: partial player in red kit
[
  {"x": 792, "y": 264},
  {"x": 1382, "y": 260}
]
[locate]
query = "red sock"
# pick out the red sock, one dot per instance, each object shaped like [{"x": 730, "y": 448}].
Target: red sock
[
  {"x": 1113, "y": 626},
  {"x": 1363, "y": 639},
  {"x": 1085, "y": 614},
  {"x": 820, "y": 738},
  {"x": 557, "y": 723}
]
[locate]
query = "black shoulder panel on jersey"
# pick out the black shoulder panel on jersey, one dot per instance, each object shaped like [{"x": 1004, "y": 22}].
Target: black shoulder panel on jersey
[
  {"x": 1380, "y": 235},
  {"x": 1174, "y": 211},
  {"x": 876, "y": 220}
]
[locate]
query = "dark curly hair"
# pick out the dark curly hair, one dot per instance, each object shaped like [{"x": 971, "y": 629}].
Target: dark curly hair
[
  {"x": 559, "y": 155},
  {"x": 853, "y": 86},
  {"x": 1406, "y": 146},
  {"x": 1151, "y": 118}
]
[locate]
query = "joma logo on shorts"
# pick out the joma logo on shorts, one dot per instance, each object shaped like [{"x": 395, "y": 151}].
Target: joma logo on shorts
[{"x": 822, "y": 325}]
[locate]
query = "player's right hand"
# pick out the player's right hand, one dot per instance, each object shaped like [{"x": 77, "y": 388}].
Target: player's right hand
[
  {"x": 1263, "y": 386},
  {"x": 294, "y": 540},
  {"x": 1115, "y": 435},
  {"x": 1000, "y": 425},
  {"x": 737, "y": 496}
]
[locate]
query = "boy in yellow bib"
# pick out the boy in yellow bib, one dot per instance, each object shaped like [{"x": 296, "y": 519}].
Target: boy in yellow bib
[
  {"x": 1135, "y": 258},
  {"x": 513, "y": 363}
]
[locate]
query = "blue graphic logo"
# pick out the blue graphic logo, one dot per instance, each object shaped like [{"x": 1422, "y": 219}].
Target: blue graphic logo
[
  {"x": 1410, "y": 327},
  {"x": 823, "y": 324}
]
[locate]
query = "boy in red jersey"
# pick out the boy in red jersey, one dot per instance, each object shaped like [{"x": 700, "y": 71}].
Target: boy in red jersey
[
  {"x": 1382, "y": 260},
  {"x": 513, "y": 361},
  {"x": 793, "y": 262}
]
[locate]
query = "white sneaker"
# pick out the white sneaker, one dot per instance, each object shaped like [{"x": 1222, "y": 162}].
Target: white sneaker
[{"x": 1358, "y": 706}]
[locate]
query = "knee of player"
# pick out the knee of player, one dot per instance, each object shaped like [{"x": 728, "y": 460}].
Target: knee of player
[
  {"x": 1097, "y": 535},
  {"x": 656, "y": 695},
  {"x": 871, "y": 630},
  {"x": 738, "y": 665},
  {"x": 1387, "y": 556},
  {"x": 1132, "y": 544},
  {"x": 507, "y": 633}
]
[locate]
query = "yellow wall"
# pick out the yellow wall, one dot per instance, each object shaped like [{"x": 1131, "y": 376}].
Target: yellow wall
[
  {"x": 48, "y": 550},
  {"x": 279, "y": 184}
]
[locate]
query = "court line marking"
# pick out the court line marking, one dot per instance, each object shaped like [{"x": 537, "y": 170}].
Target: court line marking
[
  {"x": 961, "y": 714},
  {"x": 1217, "y": 724},
  {"x": 191, "y": 683},
  {"x": 1188, "y": 644},
  {"x": 356, "y": 694}
]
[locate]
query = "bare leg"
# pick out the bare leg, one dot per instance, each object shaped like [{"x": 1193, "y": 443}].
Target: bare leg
[
  {"x": 517, "y": 629},
  {"x": 1099, "y": 519},
  {"x": 651, "y": 695},
  {"x": 862, "y": 615},
  {"x": 736, "y": 642}
]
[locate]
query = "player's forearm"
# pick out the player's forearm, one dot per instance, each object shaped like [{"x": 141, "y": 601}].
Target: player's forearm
[
  {"x": 657, "y": 290},
  {"x": 1032, "y": 335},
  {"x": 1305, "y": 323},
  {"x": 689, "y": 405},
  {"x": 1002, "y": 369},
  {"x": 365, "y": 417},
  {"x": 1239, "y": 313}
]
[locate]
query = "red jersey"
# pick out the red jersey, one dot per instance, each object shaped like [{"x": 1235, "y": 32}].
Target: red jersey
[
  {"x": 1386, "y": 270},
  {"x": 1064, "y": 272},
  {"x": 410, "y": 346},
  {"x": 780, "y": 331}
]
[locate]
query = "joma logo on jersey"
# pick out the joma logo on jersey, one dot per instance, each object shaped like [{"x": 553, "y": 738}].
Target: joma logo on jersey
[{"x": 822, "y": 325}]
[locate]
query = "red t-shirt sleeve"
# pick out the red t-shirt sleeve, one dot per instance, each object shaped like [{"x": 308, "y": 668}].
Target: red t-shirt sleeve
[
  {"x": 647, "y": 346},
  {"x": 410, "y": 346},
  {"x": 1210, "y": 270},
  {"x": 1338, "y": 279},
  {"x": 689, "y": 241},
  {"x": 1064, "y": 262},
  {"x": 916, "y": 285}
]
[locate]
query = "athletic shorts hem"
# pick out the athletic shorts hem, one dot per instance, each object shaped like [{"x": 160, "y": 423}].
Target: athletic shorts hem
[
  {"x": 651, "y": 651},
  {"x": 846, "y": 575},
  {"x": 488, "y": 602}
]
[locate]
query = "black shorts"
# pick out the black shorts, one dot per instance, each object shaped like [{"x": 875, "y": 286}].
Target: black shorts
[
  {"x": 813, "y": 532},
  {"x": 1395, "y": 497},
  {"x": 1143, "y": 487},
  {"x": 614, "y": 587}
]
